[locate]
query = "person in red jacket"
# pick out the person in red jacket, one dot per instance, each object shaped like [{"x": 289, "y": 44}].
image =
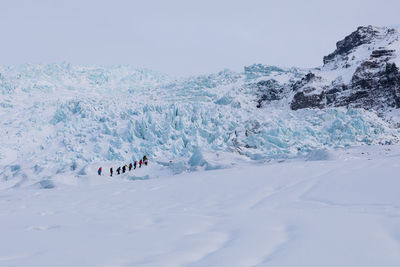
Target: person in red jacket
[{"x": 140, "y": 163}]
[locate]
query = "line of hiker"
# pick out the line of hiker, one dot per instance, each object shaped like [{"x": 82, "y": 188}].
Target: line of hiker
[{"x": 129, "y": 167}]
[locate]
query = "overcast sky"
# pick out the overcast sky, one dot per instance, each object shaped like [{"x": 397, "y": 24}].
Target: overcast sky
[{"x": 183, "y": 37}]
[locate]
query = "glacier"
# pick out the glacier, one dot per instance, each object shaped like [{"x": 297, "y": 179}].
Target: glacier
[{"x": 61, "y": 118}]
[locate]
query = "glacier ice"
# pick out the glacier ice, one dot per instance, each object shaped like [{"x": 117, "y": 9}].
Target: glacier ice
[{"x": 64, "y": 117}]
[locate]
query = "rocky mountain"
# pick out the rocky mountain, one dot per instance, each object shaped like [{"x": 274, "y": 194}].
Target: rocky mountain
[{"x": 363, "y": 72}]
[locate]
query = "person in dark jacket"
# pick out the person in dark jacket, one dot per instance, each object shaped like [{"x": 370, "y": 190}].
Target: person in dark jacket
[
  {"x": 134, "y": 165},
  {"x": 111, "y": 171},
  {"x": 119, "y": 170},
  {"x": 145, "y": 160},
  {"x": 130, "y": 166},
  {"x": 123, "y": 169}
]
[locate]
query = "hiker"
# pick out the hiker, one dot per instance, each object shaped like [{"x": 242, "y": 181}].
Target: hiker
[
  {"x": 119, "y": 170},
  {"x": 130, "y": 166},
  {"x": 145, "y": 160},
  {"x": 111, "y": 171},
  {"x": 123, "y": 169},
  {"x": 140, "y": 163},
  {"x": 134, "y": 164},
  {"x": 99, "y": 171}
]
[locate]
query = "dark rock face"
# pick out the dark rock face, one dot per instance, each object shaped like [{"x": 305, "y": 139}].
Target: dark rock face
[
  {"x": 301, "y": 100},
  {"x": 305, "y": 80},
  {"x": 374, "y": 86},
  {"x": 382, "y": 53},
  {"x": 267, "y": 91},
  {"x": 306, "y": 97},
  {"x": 375, "y": 83},
  {"x": 362, "y": 35},
  {"x": 360, "y": 73}
]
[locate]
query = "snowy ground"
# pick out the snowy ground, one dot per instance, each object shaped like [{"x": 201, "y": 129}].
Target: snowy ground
[{"x": 342, "y": 211}]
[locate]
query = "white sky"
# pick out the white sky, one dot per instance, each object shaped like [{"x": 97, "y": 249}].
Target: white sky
[{"x": 183, "y": 37}]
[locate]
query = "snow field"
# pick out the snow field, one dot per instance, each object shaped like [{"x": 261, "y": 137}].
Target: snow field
[{"x": 338, "y": 212}]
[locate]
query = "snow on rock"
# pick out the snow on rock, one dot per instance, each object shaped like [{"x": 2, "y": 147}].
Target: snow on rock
[{"x": 362, "y": 72}]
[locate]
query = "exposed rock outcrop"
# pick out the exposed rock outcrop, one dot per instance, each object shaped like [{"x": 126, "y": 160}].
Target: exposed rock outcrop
[
  {"x": 361, "y": 72},
  {"x": 363, "y": 35},
  {"x": 269, "y": 90}
]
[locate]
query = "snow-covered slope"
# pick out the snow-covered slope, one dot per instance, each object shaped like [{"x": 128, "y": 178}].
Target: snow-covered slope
[
  {"x": 340, "y": 212},
  {"x": 58, "y": 119}
]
